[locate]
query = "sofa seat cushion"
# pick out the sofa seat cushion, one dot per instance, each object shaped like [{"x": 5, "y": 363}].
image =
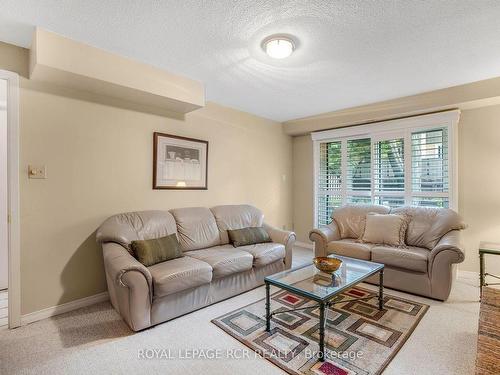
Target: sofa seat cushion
[
  {"x": 225, "y": 260},
  {"x": 265, "y": 253},
  {"x": 412, "y": 258},
  {"x": 350, "y": 248},
  {"x": 179, "y": 274}
]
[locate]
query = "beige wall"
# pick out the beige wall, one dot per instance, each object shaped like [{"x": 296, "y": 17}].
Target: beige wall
[
  {"x": 99, "y": 162},
  {"x": 479, "y": 183},
  {"x": 303, "y": 187}
]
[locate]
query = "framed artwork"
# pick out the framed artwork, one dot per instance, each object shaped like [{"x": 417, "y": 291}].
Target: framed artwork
[{"x": 179, "y": 163}]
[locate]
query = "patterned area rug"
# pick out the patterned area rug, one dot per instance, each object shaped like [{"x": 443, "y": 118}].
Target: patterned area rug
[{"x": 360, "y": 338}]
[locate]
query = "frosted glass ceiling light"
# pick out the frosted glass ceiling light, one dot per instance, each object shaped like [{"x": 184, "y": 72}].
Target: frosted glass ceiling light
[{"x": 278, "y": 47}]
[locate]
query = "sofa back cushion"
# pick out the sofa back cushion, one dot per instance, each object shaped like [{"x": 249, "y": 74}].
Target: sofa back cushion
[
  {"x": 350, "y": 219},
  {"x": 427, "y": 225},
  {"x": 132, "y": 226},
  {"x": 236, "y": 217},
  {"x": 196, "y": 228}
]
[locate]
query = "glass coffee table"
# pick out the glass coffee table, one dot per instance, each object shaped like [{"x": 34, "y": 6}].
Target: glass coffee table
[{"x": 309, "y": 282}]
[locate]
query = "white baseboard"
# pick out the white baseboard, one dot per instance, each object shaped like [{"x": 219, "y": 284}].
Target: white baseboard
[
  {"x": 304, "y": 245},
  {"x": 65, "y": 307}
]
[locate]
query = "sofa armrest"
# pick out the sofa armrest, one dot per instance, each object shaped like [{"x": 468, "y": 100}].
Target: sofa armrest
[
  {"x": 441, "y": 259},
  {"x": 284, "y": 237},
  {"x": 450, "y": 242},
  {"x": 322, "y": 236},
  {"x": 130, "y": 285}
]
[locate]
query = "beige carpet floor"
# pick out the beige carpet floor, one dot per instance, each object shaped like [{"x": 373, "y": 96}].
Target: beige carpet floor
[{"x": 94, "y": 340}]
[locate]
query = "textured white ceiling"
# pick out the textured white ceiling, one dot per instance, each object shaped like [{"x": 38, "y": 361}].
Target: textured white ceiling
[{"x": 349, "y": 52}]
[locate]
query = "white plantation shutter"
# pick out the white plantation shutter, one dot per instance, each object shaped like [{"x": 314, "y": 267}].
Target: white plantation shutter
[
  {"x": 389, "y": 166},
  {"x": 329, "y": 180},
  {"x": 358, "y": 171},
  {"x": 430, "y": 168},
  {"x": 389, "y": 172}
]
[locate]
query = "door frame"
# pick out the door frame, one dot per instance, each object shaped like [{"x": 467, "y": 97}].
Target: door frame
[{"x": 14, "y": 244}]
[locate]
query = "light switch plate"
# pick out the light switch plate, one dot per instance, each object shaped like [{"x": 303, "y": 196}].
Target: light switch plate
[{"x": 37, "y": 171}]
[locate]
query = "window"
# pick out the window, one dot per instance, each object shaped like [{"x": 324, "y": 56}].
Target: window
[
  {"x": 430, "y": 178},
  {"x": 359, "y": 179},
  {"x": 389, "y": 172},
  {"x": 329, "y": 180},
  {"x": 394, "y": 163}
]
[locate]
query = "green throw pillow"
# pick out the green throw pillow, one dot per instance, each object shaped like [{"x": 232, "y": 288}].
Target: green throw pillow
[
  {"x": 157, "y": 250},
  {"x": 248, "y": 236}
]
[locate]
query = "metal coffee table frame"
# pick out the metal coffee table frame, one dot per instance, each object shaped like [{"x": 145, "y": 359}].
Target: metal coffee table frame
[
  {"x": 486, "y": 248},
  {"x": 323, "y": 303}
]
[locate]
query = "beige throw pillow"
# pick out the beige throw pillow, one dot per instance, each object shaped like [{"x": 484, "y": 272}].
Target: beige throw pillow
[{"x": 387, "y": 229}]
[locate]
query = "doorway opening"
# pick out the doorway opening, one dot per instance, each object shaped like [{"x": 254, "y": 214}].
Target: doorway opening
[
  {"x": 4, "y": 244},
  {"x": 10, "y": 277}
]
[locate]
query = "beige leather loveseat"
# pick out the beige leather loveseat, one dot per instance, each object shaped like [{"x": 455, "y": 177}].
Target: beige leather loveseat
[
  {"x": 210, "y": 270},
  {"x": 422, "y": 267}
]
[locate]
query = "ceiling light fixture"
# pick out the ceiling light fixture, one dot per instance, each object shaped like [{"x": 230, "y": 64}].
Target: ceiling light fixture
[{"x": 278, "y": 46}]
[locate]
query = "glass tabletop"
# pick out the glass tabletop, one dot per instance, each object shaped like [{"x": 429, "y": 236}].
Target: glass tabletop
[{"x": 309, "y": 282}]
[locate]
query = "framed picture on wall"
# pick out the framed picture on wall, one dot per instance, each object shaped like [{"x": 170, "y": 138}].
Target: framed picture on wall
[{"x": 179, "y": 163}]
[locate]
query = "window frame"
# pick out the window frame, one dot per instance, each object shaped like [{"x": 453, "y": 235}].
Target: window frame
[{"x": 390, "y": 129}]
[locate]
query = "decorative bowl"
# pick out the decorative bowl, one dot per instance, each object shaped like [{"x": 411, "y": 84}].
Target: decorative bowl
[{"x": 328, "y": 265}]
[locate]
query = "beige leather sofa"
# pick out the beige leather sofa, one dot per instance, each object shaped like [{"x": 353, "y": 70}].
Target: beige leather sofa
[
  {"x": 423, "y": 268},
  {"x": 210, "y": 271}
]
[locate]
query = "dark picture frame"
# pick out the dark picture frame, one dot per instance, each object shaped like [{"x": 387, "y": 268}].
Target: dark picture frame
[{"x": 179, "y": 163}]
